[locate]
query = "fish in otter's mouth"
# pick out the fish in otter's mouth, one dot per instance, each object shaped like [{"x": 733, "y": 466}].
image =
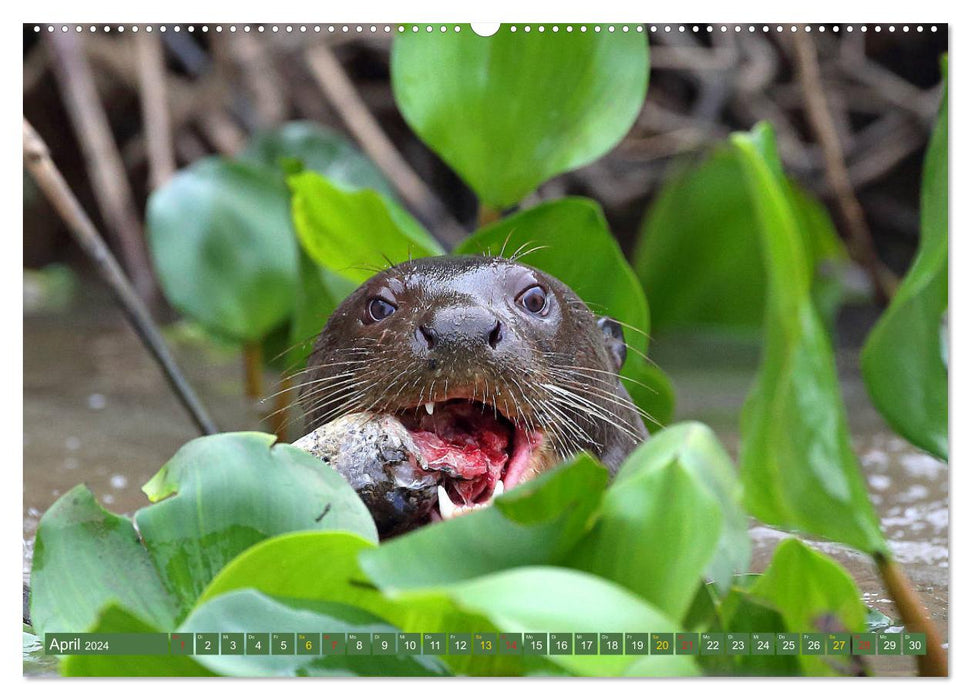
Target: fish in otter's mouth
[
  {"x": 442, "y": 383},
  {"x": 479, "y": 452}
]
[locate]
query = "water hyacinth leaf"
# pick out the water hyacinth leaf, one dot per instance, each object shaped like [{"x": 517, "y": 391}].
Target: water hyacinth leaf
[
  {"x": 320, "y": 292},
  {"x": 534, "y": 523},
  {"x": 798, "y": 468},
  {"x": 656, "y": 535},
  {"x": 811, "y": 592},
  {"x": 741, "y": 612},
  {"x": 698, "y": 256},
  {"x": 904, "y": 361},
  {"x": 651, "y": 389},
  {"x": 86, "y": 558},
  {"x": 324, "y": 566},
  {"x": 116, "y": 619},
  {"x": 223, "y": 493},
  {"x": 315, "y": 148},
  {"x": 220, "y": 238},
  {"x": 695, "y": 447},
  {"x": 249, "y": 611},
  {"x": 331, "y": 222},
  {"x": 551, "y": 598},
  {"x": 569, "y": 239},
  {"x": 510, "y": 111}
]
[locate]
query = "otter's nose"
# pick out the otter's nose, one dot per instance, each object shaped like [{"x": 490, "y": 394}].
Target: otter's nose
[{"x": 466, "y": 328}]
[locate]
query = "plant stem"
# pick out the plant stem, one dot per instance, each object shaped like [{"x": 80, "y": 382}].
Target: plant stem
[
  {"x": 914, "y": 615},
  {"x": 278, "y": 419},
  {"x": 488, "y": 215},
  {"x": 253, "y": 369},
  {"x": 37, "y": 161}
]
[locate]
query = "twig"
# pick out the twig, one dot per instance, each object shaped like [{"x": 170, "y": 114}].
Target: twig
[
  {"x": 854, "y": 220},
  {"x": 914, "y": 616},
  {"x": 222, "y": 132},
  {"x": 253, "y": 369},
  {"x": 155, "y": 108},
  {"x": 38, "y": 162},
  {"x": 332, "y": 79},
  {"x": 259, "y": 75},
  {"x": 103, "y": 162}
]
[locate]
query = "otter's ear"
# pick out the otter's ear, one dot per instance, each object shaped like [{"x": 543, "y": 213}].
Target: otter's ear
[{"x": 613, "y": 340}]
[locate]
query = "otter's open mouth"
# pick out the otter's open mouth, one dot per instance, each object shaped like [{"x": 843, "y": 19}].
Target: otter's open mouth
[{"x": 479, "y": 452}]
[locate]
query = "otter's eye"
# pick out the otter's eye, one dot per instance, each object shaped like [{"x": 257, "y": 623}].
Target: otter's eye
[
  {"x": 534, "y": 300},
  {"x": 378, "y": 309}
]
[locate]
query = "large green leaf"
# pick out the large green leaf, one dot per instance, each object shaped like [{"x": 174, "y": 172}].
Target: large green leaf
[
  {"x": 569, "y": 239},
  {"x": 316, "y": 148},
  {"x": 532, "y": 524},
  {"x": 250, "y": 611},
  {"x": 508, "y": 112},
  {"x": 552, "y": 599},
  {"x": 904, "y": 360},
  {"x": 224, "y": 493},
  {"x": 656, "y": 534},
  {"x": 86, "y": 558},
  {"x": 810, "y": 591},
  {"x": 221, "y": 243},
  {"x": 354, "y": 232},
  {"x": 323, "y": 566},
  {"x": 698, "y": 253},
  {"x": 217, "y": 496},
  {"x": 695, "y": 447},
  {"x": 114, "y": 619},
  {"x": 798, "y": 467}
]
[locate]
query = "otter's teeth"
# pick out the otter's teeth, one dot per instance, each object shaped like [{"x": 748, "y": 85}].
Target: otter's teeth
[
  {"x": 445, "y": 505},
  {"x": 500, "y": 489},
  {"x": 430, "y": 407}
]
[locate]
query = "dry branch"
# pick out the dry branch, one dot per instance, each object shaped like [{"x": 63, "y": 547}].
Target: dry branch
[
  {"x": 854, "y": 220},
  {"x": 102, "y": 159},
  {"x": 42, "y": 169},
  {"x": 155, "y": 108}
]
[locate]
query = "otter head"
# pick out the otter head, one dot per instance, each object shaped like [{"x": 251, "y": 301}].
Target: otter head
[{"x": 496, "y": 369}]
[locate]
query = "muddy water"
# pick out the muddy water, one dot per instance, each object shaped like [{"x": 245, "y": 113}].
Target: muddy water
[{"x": 96, "y": 410}]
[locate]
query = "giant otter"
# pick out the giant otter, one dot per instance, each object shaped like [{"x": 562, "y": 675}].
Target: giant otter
[{"x": 474, "y": 374}]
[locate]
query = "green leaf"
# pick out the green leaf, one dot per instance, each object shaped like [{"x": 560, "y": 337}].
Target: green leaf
[
  {"x": 798, "y": 467},
  {"x": 320, "y": 292},
  {"x": 250, "y": 611},
  {"x": 534, "y": 523},
  {"x": 569, "y": 239},
  {"x": 86, "y": 558},
  {"x": 224, "y": 493},
  {"x": 118, "y": 619},
  {"x": 354, "y": 232},
  {"x": 510, "y": 111},
  {"x": 807, "y": 588},
  {"x": 318, "y": 149},
  {"x": 221, "y": 244},
  {"x": 656, "y": 534},
  {"x": 904, "y": 360},
  {"x": 805, "y": 585},
  {"x": 703, "y": 226},
  {"x": 695, "y": 447},
  {"x": 549, "y": 598},
  {"x": 323, "y": 566}
]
